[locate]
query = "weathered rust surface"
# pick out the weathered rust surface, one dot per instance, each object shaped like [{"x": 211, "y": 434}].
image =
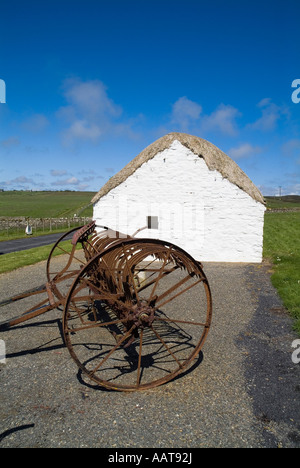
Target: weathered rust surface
[{"x": 127, "y": 322}]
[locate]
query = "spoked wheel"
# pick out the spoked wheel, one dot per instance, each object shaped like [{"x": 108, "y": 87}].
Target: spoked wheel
[
  {"x": 60, "y": 273},
  {"x": 137, "y": 315}
]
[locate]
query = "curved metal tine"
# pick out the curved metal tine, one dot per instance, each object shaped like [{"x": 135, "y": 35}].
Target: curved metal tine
[
  {"x": 109, "y": 269},
  {"x": 139, "y": 270},
  {"x": 131, "y": 275},
  {"x": 70, "y": 260},
  {"x": 160, "y": 274},
  {"x": 173, "y": 288},
  {"x": 101, "y": 294}
]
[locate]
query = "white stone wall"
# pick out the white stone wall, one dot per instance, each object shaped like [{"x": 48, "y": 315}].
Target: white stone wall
[{"x": 197, "y": 209}]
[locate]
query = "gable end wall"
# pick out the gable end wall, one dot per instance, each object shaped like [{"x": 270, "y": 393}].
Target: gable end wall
[{"x": 197, "y": 209}]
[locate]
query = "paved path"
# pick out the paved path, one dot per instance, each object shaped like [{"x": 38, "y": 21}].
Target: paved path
[
  {"x": 244, "y": 391},
  {"x": 29, "y": 243}
]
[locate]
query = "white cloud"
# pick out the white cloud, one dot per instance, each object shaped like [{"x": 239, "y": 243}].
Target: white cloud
[
  {"x": 291, "y": 188},
  {"x": 36, "y": 123},
  {"x": 10, "y": 142},
  {"x": 294, "y": 189},
  {"x": 70, "y": 181},
  {"x": 58, "y": 172},
  {"x": 90, "y": 113},
  {"x": 21, "y": 182},
  {"x": 244, "y": 150},
  {"x": 270, "y": 115},
  {"x": 185, "y": 112},
  {"x": 90, "y": 98},
  {"x": 83, "y": 130},
  {"x": 222, "y": 119},
  {"x": 291, "y": 148},
  {"x": 187, "y": 116}
]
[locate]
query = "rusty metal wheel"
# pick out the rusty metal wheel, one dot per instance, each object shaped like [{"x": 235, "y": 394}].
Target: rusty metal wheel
[
  {"x": 137, "y": 314},
  {"x": 62, "y": 270}
]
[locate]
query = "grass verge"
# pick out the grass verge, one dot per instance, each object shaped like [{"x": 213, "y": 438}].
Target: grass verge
[
  {"x": 14, "y": 260},
  {"x": 282, "y": 247}
]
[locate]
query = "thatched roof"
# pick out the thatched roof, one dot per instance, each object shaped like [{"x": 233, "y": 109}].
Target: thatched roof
[{"x": 215, "y": 160}]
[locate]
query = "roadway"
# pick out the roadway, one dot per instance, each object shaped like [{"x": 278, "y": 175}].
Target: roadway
[
  {"x": 241, "y": 392},
  {"x": 29, "y": 242}
]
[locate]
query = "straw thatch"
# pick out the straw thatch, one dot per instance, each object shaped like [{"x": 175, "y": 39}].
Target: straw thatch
[{"x": 215, "y": 160}]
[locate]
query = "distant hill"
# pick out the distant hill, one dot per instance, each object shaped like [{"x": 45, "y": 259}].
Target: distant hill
[{"x": 285, "y": 201}]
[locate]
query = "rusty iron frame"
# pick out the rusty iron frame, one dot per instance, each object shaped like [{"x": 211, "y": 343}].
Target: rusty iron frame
[{"x": 110, "y": 270}]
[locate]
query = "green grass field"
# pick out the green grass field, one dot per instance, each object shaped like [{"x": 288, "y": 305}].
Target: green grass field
[
  {"x": 45, "y": 204},
  {"x": 282, "y": 247},
  {"x": 281, "y": 235}
]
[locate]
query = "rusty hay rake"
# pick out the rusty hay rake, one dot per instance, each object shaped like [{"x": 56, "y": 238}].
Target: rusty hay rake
[{"x": 136, "y": 311}]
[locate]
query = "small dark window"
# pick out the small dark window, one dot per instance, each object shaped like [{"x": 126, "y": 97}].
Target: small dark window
[{"x": 152, "y": 222}]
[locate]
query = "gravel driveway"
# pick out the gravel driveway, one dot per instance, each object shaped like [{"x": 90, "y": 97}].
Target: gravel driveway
[{"x": 243, "y": 391}]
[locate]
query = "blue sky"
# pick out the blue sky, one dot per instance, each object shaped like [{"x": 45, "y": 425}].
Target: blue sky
[{"x": 90, "y": 84}]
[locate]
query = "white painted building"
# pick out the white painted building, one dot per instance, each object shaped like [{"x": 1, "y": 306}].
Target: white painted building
[{"x": 194, "y": 195}]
